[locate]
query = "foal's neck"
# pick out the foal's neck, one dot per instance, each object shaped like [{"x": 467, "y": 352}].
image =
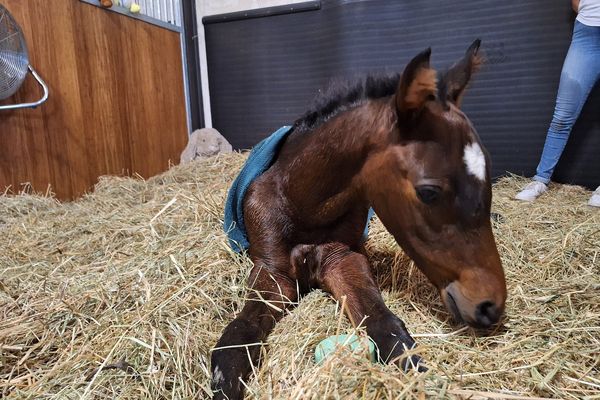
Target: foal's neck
[{"x": 321, "y": 168}]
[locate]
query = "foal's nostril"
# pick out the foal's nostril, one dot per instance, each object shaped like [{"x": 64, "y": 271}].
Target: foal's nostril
[{"x": 487, "y": 314}]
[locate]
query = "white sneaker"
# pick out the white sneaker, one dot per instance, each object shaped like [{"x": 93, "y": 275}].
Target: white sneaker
[
  {"x": 532, "y": 191},
  {"x": 595, "y": 199}
]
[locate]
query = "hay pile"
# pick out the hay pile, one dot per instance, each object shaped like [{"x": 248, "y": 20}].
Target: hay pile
[{"x": 123, "y": 293}]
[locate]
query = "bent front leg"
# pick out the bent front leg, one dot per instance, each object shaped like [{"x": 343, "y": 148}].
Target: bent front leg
[
  {"x": 343, "y": 272},
  {"x": 270, "y": 294}
]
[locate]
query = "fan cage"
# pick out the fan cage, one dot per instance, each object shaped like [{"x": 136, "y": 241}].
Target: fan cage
[{"x": 14, "y": 59}]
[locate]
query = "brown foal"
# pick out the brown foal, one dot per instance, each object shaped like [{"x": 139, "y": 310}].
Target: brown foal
[{"x": 402, "y": 146}]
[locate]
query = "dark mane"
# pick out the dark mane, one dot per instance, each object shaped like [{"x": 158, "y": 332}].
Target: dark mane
[{"x": 342, "y": 95}]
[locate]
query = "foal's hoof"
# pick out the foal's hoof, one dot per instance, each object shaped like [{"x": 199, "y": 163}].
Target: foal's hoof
[
  {"x": 412, "y": 363},
  {"x": 407, "y": 363}
]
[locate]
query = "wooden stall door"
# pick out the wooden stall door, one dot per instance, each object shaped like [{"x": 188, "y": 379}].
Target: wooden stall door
[{"x": 116, "y": 102}]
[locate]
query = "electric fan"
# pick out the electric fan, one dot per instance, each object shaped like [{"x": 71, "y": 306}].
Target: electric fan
[{"x": 14, "y": 62}]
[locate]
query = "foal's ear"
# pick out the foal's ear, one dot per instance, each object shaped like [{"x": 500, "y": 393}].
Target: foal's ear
[
  {"x": 417, "y": 85},
  {"x": 458, "y": 76}
]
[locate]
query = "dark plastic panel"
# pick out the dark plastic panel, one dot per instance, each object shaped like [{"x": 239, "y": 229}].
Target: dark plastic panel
[{"x": 263, "y": 72}]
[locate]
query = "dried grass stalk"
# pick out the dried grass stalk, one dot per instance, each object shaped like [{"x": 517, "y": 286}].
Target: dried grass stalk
[{"x": 123, "y": 293}]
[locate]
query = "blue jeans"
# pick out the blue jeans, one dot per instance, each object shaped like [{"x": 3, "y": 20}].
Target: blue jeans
[{"x": 580, "y": 73}]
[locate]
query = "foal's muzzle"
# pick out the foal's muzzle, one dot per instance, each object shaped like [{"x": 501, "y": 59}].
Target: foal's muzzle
[
  {"x": 487, "y": 314},
  {"x": 476, "y": 313}
]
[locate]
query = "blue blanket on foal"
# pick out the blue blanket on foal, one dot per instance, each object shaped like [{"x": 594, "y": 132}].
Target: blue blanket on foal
[{"x": 262, "y": 156}]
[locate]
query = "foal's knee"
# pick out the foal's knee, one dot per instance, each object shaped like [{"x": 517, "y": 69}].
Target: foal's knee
[
  {"x": 271, "y": 288},
  {"x": 311, "y": 261}
]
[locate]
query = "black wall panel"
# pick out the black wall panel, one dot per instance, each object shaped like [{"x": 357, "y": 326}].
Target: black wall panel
[{"x": 263, "y": 72}]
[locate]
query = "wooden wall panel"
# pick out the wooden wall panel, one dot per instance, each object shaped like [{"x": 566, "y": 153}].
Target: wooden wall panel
[{"x": 116, "y": 102}]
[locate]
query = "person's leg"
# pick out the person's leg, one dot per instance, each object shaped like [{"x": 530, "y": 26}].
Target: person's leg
[{"x": 580, "y": 72}]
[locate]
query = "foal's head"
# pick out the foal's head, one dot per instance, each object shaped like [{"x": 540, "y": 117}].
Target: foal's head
[{"x": 431, "y": 187}]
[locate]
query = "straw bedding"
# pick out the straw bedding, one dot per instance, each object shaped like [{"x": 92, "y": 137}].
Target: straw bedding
[{"x": 122, "y": 294}]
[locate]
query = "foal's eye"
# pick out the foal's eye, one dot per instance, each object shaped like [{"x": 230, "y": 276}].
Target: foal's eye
[{"x": 428, "y": 193}]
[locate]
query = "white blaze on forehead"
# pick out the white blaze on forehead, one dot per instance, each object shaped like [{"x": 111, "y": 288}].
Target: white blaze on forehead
[{"x": 474, "y": 160}]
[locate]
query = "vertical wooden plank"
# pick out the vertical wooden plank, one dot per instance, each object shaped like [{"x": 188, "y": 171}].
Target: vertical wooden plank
[
  {"x": 52, "y": 54},
  {"x": 68, "y": 121},
  {"x": 162, "y": 112},
  {"x": 101, "y": 89},
  {"x": 24, "y": 156}
]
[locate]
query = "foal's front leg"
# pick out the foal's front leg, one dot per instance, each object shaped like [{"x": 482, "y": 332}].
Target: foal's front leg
[
  {"x": 343, "y": 272},
  {"x": 270, "y": 293}
]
